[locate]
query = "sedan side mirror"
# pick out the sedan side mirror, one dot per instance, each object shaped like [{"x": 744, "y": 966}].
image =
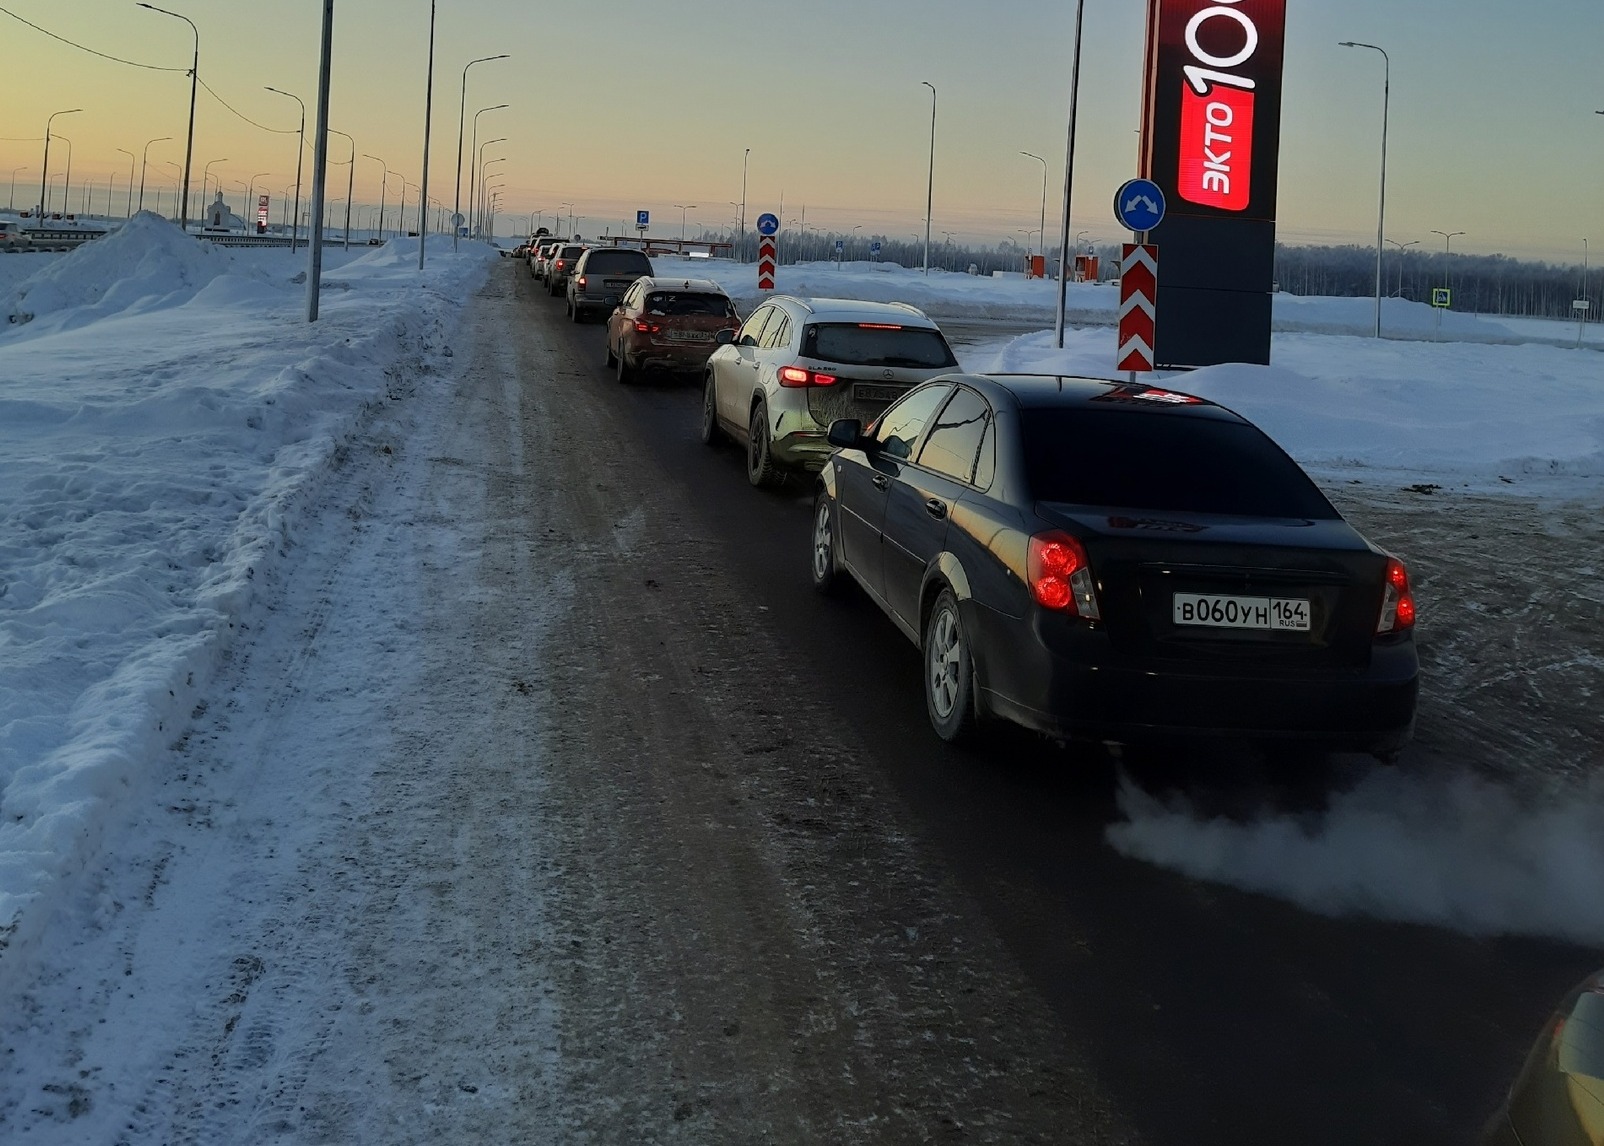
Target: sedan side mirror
[
  {"x": 724, "y": 337},
  {"x": 846, "y": 434}
]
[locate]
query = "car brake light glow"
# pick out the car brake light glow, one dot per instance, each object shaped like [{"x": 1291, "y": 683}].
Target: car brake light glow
[
  {"x": 795, "y": 377},
  {"x": 647, "y": 328},
  {"x": 580, "y": 282},
  {"x": 561, "y": 264},
  {"x": 1397, "y": 600},
  {"x": 1060, "y": 576},
  {"x": 878, "y": 326}
]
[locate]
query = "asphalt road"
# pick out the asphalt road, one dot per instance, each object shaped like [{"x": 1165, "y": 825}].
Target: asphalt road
[{"x": 1206, "y": 1015}]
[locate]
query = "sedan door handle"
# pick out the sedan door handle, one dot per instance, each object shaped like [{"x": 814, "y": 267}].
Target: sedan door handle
[
  {"x": 881, "y": 481},
  {"x": 936, "y": 508}
]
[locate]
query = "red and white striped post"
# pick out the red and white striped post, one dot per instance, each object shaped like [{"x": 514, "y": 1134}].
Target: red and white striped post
[
  {"x": 767, "y": 260},
  {"x": 1138, "y": 307}
]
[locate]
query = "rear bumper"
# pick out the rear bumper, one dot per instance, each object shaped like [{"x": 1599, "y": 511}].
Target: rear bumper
[
  {"x": 803, "y": 450},
  {"x": 1086, "y": 691},
  {"x": 687, "y": 357}
]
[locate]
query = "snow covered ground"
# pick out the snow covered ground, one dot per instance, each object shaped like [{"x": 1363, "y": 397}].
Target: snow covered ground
[
  {"x": 165, "y": 413},
  {"x": 165, "y": 417}
]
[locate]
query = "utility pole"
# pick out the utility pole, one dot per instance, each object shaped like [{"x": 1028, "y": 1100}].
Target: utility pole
[
  {"x": 320, "y": 165},
  {"x": 428, "y": 118}
]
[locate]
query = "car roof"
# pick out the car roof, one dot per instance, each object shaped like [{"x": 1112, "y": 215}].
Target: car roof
[
  {"x": 851, "y": 310},
  {"x": 1066, "y": 391},
  {"x": 692, "y": 286}
]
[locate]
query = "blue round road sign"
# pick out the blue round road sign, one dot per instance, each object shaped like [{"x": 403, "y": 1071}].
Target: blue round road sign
[
  {"x": 768, "y": 224},
  {"x": 1139, "y": 205}
]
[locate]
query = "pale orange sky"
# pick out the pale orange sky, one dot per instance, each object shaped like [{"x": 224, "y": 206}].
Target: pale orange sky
[{"x": 619, "y": 104}]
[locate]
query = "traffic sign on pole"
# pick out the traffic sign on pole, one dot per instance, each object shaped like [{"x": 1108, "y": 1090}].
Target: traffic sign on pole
[
  {"x": 874, "y": 248},
  {"x": 1138, "y": 307},
  {"x": 643, "y": 219},
  {"x": 768, "y": 224},
  {"x": 1139, "y": 205}
]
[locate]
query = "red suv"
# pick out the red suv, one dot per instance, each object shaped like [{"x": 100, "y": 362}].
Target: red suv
[{"x": 671, "y": 324}]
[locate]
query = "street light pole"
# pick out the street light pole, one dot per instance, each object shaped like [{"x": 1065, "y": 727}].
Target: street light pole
[
  {"x": 476, "y": 207},
  {"x": 1069, "y": 175},
  {"x": 461, "y": 122},
  {"x": 194, "y": 81},
  {"x": 144, "y": 162},
  {"x": 66, "y": 186},
  {"x": 1043, "y": 163},
  {"x": 746, "y": 161},
  {"x": 1448, "y": 238},
  {"x": 477, "y": 154},
  {"x": 1402, "y": 247},
  {"x": 206, "y": 178},
  {"x": 300, "y": 150},
  {"x": 320, "y": 167},
  {"x": 428, "y": 119},
  {"x": 350, "y": 183},
  {"x": 11, "y": 204},
  {"x": 383, "y": 187},
  {"x": 129, "y": 213},
  {"x": 683, "y": 207},
  {"x": 930, "y": 190},
  {"x": 1381, "y": 222},
  {"x": 44, "y": 175}
]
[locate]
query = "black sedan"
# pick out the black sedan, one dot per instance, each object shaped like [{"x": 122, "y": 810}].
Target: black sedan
[{"x": 1116, "y": 562}]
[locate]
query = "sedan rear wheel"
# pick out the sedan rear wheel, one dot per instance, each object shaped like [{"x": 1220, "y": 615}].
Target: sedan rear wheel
[
  {"x": 761, "y": 469},
  {"x": 949, "y": 672},
  {"x": 612, "y": 359},
  {"x": 826, "y": 577},
  {"x": 624, "y": 371}
]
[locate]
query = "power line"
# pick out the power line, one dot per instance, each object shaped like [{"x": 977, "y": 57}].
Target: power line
[
  {"x": 84, "y": 48},
  {"x": 246, "y": 118}
]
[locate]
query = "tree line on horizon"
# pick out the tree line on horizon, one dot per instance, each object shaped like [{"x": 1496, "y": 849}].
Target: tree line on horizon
[{"x": 1478, "y": 284}]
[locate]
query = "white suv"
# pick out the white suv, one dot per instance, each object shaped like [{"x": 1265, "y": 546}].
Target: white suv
[{"x": 796, "y": 365}]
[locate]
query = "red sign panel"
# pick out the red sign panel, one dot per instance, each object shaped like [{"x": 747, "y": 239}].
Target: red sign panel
[{"x": 1212, "y": 122}]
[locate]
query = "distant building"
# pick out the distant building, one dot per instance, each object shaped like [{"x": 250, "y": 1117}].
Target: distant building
[{"x": 220, "y": 218}]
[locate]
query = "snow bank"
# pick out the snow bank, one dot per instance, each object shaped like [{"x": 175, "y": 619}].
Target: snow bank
[
  {"x": 1487, "y": 417},
  {"x": 146, "y": 264},
  {"x": 154, "y": 461}
]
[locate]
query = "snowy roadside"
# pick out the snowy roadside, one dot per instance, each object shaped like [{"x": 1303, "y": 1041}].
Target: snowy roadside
[
  {"x": 1352, "y": 410},
  {"x": 165, "y": 417}
]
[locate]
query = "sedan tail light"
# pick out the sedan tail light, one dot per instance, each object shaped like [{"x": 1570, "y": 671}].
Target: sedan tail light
[
  {"x": 647, "y": 328},
  {"x": 579, "y": 284},
  {"x": 795, "y": 377},
  {"x": 1397, "y": 601},
  {"x": 1061, "y": 576}
]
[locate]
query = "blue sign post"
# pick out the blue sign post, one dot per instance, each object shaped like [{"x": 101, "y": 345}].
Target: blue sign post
[
  {"x": 874, "y": 248},
  {"x": 768, "y": 224},
  {"x": 643, "y": 220},
  {"x": 1139, "y": 206}
]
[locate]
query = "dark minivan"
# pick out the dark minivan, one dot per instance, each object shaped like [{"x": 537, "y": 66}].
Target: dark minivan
[{"x": 1116, "y": 562}]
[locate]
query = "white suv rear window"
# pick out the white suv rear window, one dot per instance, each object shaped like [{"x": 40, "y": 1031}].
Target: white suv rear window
[{"x": 872, "y": 344}]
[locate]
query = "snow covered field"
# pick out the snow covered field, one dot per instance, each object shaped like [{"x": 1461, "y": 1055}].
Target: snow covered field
[{"x": 165, "y": 415}]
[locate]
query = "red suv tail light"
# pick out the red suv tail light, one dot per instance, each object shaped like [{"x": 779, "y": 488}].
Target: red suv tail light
[
  {"x": 795, "y": 377},
  {"x": 1060, "y": 576},
  {"x": 647, "y": 328},
  {"x": 1397, "y": 601},
  {"x": 580, "y": 283}
]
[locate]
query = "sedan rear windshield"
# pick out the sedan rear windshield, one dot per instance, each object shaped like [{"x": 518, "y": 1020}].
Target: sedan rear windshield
[
  {"x": 871, "y": 344},
  {"x": 570, "y": 252},
  {"x": 690, "y": 304},
  {"x": 1164, "y": 461},
  {"x": 617, "y": 262}
]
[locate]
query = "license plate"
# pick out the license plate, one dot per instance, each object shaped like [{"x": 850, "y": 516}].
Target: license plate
[
  {"x": 868, "y": 392},
  {"x": 1268, "y": 614},
  {"x": 617, "y": 284},
  {"x": 689, "y": 336}
]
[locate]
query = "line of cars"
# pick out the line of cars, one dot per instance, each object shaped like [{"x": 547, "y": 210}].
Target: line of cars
[{"x": 1086, "y": 558}]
